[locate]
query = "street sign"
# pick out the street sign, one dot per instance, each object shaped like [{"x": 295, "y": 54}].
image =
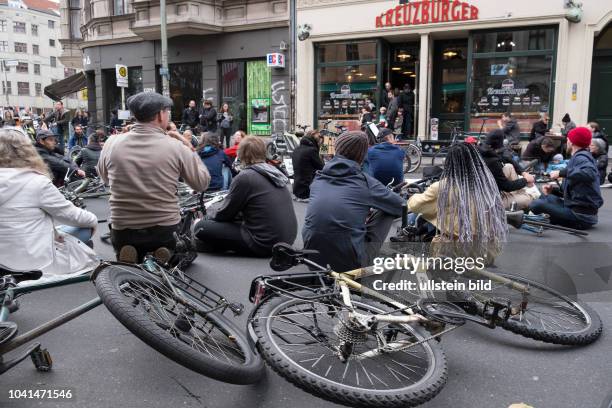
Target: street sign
[
  {"x": 11, "y": 63},
  {"x": 121, "y": 72},
  {"x": 275, "y": 60}
]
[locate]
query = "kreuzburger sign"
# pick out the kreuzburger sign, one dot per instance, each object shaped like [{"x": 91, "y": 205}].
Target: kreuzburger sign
[{"x": 426, "y": 12}]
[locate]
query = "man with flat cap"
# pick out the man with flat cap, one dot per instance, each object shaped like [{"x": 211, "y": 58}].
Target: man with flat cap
[{"x": 143, "y": 167}]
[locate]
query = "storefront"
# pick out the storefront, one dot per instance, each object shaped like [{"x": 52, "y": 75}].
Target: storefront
[
  {"x": 227, "y": 68},
  {"x": 467, "y": 62}
]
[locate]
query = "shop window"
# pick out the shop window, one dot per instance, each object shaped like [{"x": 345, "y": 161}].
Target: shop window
[
  {"x": 512, "y": 71},
  {"x": 512, "y": 41},
  {"x": 347, "y": 80},
  {"x": 233, "y": 91},
  {"x": 112, "y": 93},
  {"x": 185, "y": 85},
  {"x": 339, "y": 52}
]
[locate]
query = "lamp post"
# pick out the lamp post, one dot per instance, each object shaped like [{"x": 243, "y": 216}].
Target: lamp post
[
  {"x": 7, "y": 64},
  {"x": 164, "y": 73}
]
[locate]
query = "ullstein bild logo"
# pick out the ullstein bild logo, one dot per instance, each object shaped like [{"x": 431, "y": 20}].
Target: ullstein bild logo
[{"x": 426, "y": 12}]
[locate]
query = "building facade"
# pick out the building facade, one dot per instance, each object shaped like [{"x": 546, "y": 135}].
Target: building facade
[
  {"x": 467, "y": 62},
  {"x": 216, "y": 51},
  {"x": 29, "y": 50}
]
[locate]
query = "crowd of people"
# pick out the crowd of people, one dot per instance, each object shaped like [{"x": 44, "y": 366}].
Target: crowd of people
[{"x": 350, "y": 205}]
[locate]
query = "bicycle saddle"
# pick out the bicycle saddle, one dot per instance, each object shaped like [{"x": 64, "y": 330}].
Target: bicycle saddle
[
  {"x": 20, "y": 276},
  {"x": 515, "y": 218},
  {"x": 284, "y": 256}
]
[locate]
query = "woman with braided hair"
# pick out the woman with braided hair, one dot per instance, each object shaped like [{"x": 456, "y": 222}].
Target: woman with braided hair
[{"x": 465, "y": 206}]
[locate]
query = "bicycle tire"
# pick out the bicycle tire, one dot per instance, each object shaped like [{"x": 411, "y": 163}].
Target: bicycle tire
[
  {"x": 108, "y": 282},
  {"x": 340, "y": 393},
  {"x": 406, "y": 165},
  {"x": 416, "y": 156},
  {"x": 522, "y": 327}
]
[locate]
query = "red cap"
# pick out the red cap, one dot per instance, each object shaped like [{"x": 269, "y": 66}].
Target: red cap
[
  {"x": 580, "y": 137},
  {"x": 471, "y": 140}
]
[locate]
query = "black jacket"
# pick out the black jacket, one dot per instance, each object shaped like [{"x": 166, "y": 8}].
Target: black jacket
[
  {"x": 61, "y": 121},
  {"x": 190, "y": 118},
  {"x": 208, "y": 120},
  {"x": 512, "y": 131},
  {"x": 539, "y": 129},
  {"x": 496, "y": 165},
  {"x": 306, "y": 161},
  {"x": 406, "y": 101},
  {"x": 602, "y": 166},
  {"x": 88, "y": 159},
  {"x": 266, "y": 207},
  {"x": 534, "y": 151},
  {"x": 341, "y": 197},
  {"x": 581, "y": 192},
  {"x": 58, "y": 164}
]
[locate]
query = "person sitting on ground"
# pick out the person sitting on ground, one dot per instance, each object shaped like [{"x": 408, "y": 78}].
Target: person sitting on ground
[
  {"x": 259, "y": 193},
  {"x": 306, "y": 162},
  {"x": 464, "y": 206},
  {"x": 78, "y": 138},
  {"x": 142, "y": 168},
  {"x": 581, "y": 194},
  {"x": 510, "y": 127},
  {"x": 232, "y": 152},
  {"x": 31, "y": 207},
  {"x": 556, "y": 164},
  {"x": 598, "y": 151},
  {"x": 88, "y": 156},
  {"x": 511, "y": 187},
  {"x": 598, "y": 134},
  {"x": 540, "y": 128},
  {"x": 341, "y": 197},
  {"x": 542, "y": 149},
  {"x": 386, "y": 160},
  {"x": 46, "y": 143},
  {"x": 567, "y": 125},
  {"x": 215, "y": 160}
]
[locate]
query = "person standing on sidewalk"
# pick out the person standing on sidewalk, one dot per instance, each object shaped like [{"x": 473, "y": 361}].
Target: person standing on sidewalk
[
  {"x": 190, "y": 116},
  {"x": 208, "y": 118},
  {"x": 225, "y": 123}
]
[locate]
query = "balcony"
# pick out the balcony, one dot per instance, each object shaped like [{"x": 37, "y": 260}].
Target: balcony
[{"x": 201, "y": 17}]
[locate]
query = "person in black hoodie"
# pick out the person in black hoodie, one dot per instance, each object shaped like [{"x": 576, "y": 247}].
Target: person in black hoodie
[
  {"x": 306, "y": 162},
  {"x": 581, "y": 193},
  {"x": 259, "y": 193},
  {"x": 540, "y": 128},
  {"x": 46, "y": 144},
  {"x": 208, "y": 118},
  {"x": 191, "y": 116},
  {"x": 341, "y": 197},
  {"x": 89, "y": 155},
  {"x": 511, "y": 187}
]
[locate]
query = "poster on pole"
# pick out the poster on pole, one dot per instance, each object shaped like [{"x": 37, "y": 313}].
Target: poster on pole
[{"x": 121, "y": 73}]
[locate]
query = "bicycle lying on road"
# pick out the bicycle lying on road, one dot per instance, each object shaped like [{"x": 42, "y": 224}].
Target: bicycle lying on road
[
  {"x": 339, "y": 339},
  {"x": 170, "y": 311}
]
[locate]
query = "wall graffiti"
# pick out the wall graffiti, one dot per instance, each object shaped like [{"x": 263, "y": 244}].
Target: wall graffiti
[{"x": 280, "y": 109}]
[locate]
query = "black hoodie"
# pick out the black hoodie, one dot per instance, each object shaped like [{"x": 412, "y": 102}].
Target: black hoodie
[
  {"x": 306, "y": 161},
  {"x": 266, "y": 206},
  {"x": 88, "y": 159}
]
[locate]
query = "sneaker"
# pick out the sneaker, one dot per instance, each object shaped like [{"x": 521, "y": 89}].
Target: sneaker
[
  {"x": 128, "y": 254},
  {"x": 162, "y": 255}
]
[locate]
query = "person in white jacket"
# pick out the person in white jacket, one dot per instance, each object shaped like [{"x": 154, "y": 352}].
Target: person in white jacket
[{"x": 33, "y": 214}]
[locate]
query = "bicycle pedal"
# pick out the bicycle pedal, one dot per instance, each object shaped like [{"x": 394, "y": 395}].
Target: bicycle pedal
[
  {"x": 236, "y": 308},
  {"x": 42, "y": 359}
]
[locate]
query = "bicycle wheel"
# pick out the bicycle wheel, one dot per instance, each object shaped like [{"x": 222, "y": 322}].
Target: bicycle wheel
[
  {"x": 299, "y": 339},
  {"x": 407, "y": 164},
  {"x": 550, "y": 316},
  {"x": 207, "y": 343},
  {"x": 416, "y": 156}
]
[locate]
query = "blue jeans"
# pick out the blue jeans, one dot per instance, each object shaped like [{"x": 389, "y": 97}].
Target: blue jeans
[
  {"x": 559, "y": 213},
  {"x": 82, "y": 234},
  {"x": 429, "y": 227}
]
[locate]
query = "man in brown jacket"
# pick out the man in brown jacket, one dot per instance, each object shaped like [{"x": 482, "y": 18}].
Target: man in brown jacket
[{"x": 142, "y": 168}]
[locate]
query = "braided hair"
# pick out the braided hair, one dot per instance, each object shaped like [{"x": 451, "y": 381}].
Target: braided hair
[{"x": 470, "y": 210}]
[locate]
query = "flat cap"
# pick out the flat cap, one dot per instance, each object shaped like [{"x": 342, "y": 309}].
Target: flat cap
[
  {"x": 145, "y": 105},
  {"x": 43, "y": 134}
]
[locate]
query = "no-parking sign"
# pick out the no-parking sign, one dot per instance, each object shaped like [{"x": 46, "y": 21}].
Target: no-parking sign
[{"x": 121, "y": 72}]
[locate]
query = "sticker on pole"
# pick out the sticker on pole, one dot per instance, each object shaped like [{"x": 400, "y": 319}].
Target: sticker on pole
[{"x": 121, "y": 72}]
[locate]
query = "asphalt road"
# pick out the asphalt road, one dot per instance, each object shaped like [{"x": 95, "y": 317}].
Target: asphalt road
[{"x": 106, "y": 366}]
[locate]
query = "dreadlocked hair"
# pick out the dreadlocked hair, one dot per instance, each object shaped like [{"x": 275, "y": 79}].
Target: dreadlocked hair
[{"x": 471, "y": 214}]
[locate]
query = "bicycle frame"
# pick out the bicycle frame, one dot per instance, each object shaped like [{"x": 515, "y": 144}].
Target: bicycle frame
[{"x": 8, "y": 295}]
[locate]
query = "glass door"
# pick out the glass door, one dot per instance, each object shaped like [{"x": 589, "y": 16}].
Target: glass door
[{"x": 449, "y": 85}]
